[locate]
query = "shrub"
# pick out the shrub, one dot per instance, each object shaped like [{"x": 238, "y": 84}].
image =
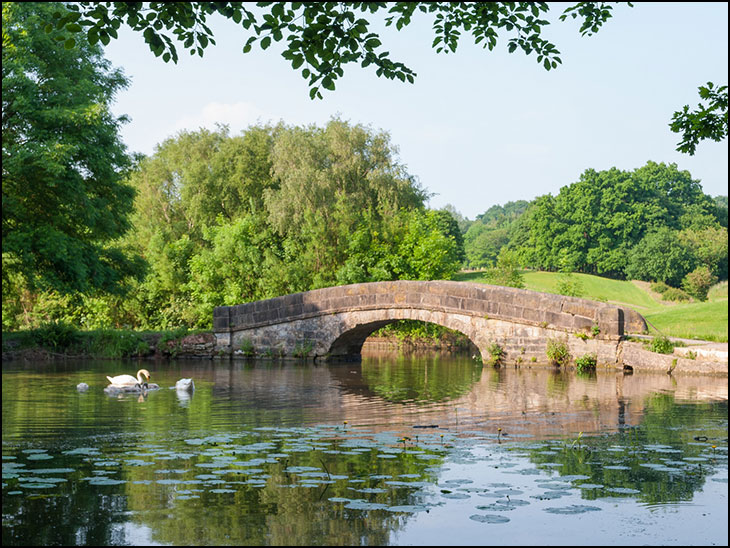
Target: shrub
[
  {"x": 112, "y": 343},
  {"x": 659, "y": 287},
  {"x": 507, "y": 271},
  {"x": 167, "y": 337},
  {"x": 569, "y": 285},
  {"x": 675, "y": 295},
  {"x": 662, "y": 345},
  {"x": 698, "y": 282},
  {"x": 586, "y": 362},
  {"x": 557, "y": 352},
  {"x": 56, "y": 334}
]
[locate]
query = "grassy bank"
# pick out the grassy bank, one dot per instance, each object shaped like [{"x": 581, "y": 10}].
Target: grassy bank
[
  {"x": 694, "y": 320},
  {"x": 60, "y": 339}
]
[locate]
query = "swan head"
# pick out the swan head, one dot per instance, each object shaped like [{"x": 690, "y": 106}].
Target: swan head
[{"x": 145, "y": 373}]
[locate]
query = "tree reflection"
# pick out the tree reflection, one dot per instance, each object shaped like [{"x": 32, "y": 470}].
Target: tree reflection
[
  {"x": 657, "y": 461},
  {"x": 420, "y": 379}
]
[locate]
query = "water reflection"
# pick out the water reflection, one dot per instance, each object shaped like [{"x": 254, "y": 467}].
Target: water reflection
[{"x": 281, "y": 453}]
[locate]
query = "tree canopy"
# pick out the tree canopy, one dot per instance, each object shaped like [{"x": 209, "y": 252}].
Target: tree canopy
[
  {"x": 65, "y": 202},
  {"x": 708, "y": 121},
  {"x": 323, "y": 37}
]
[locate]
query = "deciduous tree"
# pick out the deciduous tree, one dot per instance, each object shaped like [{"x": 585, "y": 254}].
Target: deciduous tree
[{"x": 65, "y": 202}]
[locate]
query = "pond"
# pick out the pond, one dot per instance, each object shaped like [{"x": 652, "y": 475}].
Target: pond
[{"x": 389, "y": 451}]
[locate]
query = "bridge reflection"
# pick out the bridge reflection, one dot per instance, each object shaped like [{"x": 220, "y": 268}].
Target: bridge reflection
[{"x": 538, "y": 402}]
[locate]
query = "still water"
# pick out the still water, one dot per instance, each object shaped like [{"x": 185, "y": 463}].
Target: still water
[{"x": 390, "y": 451}]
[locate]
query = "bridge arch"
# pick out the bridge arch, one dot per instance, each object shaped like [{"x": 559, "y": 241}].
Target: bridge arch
[
  {"x": 336, "y": 321},
  {"x": 356, "y": 328}
]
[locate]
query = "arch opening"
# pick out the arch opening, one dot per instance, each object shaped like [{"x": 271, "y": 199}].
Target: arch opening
[{"x": 350, "y": 343}]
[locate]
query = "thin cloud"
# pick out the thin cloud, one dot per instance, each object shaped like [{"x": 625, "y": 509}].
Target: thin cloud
[{"x": 238, "y": 116}]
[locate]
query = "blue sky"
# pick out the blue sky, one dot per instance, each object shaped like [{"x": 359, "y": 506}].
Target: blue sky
[{"x": 477, "y": 128}]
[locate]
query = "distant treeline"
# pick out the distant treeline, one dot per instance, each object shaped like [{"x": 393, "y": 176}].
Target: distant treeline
[{"x": 653, "y": 224}]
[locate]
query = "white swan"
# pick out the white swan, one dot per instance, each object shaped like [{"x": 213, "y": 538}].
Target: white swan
[
  {"x": 122, "y": 381},
  {"x": 185, "y": 385}
]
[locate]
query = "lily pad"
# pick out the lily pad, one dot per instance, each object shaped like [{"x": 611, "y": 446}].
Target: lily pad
[
  {"x": 489, "y": 518},
  {"x": 411, "y": 509},
  {"x": 39, "y": 456},
  {"x": 37, "y": 485},
  {"x": 572, "y": 509},
  {"x": 455, "y": 495},
  {"x": 105, "y": 481},
  {"x": 364, "y": 505},
  {"x": 497, "y": 507}
]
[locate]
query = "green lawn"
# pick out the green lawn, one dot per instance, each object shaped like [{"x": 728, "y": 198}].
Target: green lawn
[{"x": 695, "y": 320}]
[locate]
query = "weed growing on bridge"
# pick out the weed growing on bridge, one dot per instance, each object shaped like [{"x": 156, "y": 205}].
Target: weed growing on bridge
[
  {"x": 496, "y": 354},
  {"x": 302, "y": 350},
  {"x": 247, "y": 348},
  {"x": 557, "y": 352},
  {"x": 586, "y": 362}
]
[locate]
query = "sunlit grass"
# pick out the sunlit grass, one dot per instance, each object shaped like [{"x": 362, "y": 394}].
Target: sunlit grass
[{"x": 706, "y": 321}]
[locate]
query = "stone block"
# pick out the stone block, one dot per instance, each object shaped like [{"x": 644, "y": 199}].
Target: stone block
[
  {"x": 366, "y": 299},
  {"x": 579, "y": 308},
  {"x": 509, "y": 311},
  {"x": 581, "y": 323},
  {"x": 220, "y": 323},
  {"x": 535, "y": 314},
  {"x": 452, "y": 302}
]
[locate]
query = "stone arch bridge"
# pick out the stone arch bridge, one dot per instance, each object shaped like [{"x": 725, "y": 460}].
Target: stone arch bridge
[{"x": 334, "y": 322}]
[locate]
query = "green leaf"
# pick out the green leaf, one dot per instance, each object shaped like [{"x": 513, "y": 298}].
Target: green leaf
[
  {"x": 69, "y": 44},
  {"x": 265, "y": 42}
]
